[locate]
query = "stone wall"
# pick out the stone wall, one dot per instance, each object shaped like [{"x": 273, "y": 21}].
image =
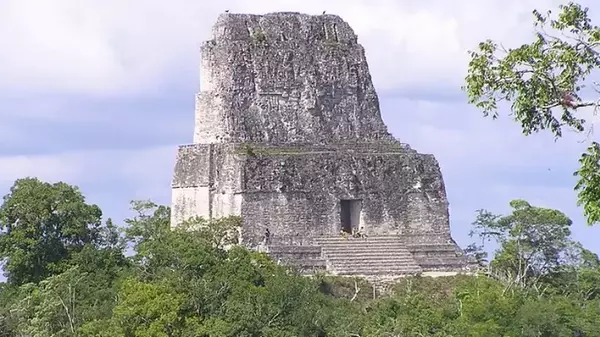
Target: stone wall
[
  {"x": 206, "y": 182},
  {"x": 296, "y": 190},
  {"x": 301, "y": 192},
  {"x": 285, "y": 77}
]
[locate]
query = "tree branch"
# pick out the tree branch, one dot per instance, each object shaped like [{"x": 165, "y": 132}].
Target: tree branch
[{"x": 356, "y": 291}]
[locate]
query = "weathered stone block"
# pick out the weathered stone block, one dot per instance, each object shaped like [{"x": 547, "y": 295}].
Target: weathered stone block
[{"x": 285, "y": 78}]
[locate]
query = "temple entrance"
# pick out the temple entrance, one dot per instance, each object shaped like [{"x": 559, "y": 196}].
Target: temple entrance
[{"x": 350, "y": 214}]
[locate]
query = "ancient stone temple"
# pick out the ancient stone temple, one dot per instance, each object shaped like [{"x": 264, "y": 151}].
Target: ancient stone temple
[{"x": 289, "y": 136}]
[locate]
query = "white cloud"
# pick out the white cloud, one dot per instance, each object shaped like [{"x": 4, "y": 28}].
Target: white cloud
[
  {"x": 46, "y": 167},
  {"x": 121, "y": 47},
  {"x": 144, "y": 169},
  {"x": 463, "y": 140}
]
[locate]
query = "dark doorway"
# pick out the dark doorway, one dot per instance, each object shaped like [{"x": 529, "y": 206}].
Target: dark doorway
[{"x": 350, "y": 214}]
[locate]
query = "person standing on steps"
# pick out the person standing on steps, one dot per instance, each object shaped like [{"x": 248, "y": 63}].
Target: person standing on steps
[
  {"x": 267, "y": 236},
  {"x": 362, "y": 233},
  {"x": 344, "y": 234}
]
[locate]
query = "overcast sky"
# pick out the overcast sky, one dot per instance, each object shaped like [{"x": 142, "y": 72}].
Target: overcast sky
[{"x": 100, "y": 93}]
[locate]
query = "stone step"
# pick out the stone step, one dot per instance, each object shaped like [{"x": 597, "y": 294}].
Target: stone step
[
  {"x": 363, "y": 245},
  {"x": 306, "y": 265},
  {"x": 425, "y": 255},
  {"x": 362, "y": 242},
  {"x": 299, "y": 261},
  {"x": 312, "y": 263},
  {"x": 294, "y": 249},
  {"x": 374, "y": 264},
  {"x": 370, "y": 271},
  {"x": 388, "y": 268},
  {"x": 370, "y": 257},
  {"x": 357, "y": 240},
  {"x": 363, "y": 250},
  {"x": 349, "y": 237},
  {"x": 334, "y": 241},
  {"x": 380, "y": 255},
  {"x": 366, "y": 249},
  {"x": 371, "y": 262},
  {"x": 439, "y": 257},
  {"x": 295, "y": 254},
  {"x": 372, "y": 245},
  {"x": 387, "y": 257},
  {"x": 451, "y": 263},
  {"x": 429, "y": 245},
  {"x": 432, "y": 249},
  {"x": 440, "y": 261},
  {"x": 433, "y": 255}
]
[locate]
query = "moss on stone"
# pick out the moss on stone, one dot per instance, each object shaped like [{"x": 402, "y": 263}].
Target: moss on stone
[{"x": 258, "y": 37}]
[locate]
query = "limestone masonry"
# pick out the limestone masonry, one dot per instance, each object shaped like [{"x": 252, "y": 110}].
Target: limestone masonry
[{"x": 289, "y": 136}]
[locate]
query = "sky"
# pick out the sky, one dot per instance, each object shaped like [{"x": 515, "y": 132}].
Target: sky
[{"x": 100, "y": 94}]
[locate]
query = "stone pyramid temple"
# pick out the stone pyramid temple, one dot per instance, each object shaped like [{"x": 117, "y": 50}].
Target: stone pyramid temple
[{"x": 289, "y": 136}]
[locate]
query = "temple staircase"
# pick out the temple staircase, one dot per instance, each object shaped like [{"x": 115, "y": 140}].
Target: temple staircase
[
  {"x": 378, "y": 255},
  {"x": 435, "y": 253}
]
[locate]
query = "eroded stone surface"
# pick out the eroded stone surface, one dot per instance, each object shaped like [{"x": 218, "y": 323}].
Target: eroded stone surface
[
  {"x": 285, "y": 77},
  {"x": 288, "y": 125}
]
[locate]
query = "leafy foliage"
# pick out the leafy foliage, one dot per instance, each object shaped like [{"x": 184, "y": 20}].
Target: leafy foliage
[
  {"x": 192, "y": 282},
  {"x": 43, "y": 225},
  {"x": 533, "y": 241},
  {"x": 548, "y": 85},
  {"x": 588, "y": 184}
]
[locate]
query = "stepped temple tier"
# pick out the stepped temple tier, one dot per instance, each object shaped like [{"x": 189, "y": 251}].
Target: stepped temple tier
[{"x": 289, "y": 136}]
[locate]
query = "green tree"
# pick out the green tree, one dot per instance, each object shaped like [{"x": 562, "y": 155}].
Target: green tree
[
  {"x": 161, "y": 252},
  {"x": 8, "y": 321},
  {"x": 579, "y": 278},
  {"x": 549, "y": 85},
  {"x": 42, "y": 226},
  {"x": 189, "y": 281},
  {"x": 62, "y": 304},
  {"x": 416, "y": 307},
  {"x": 533, "y": 241},
  {"x": 149, "y": 310},
  {"x": 485, "y": 308}
]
